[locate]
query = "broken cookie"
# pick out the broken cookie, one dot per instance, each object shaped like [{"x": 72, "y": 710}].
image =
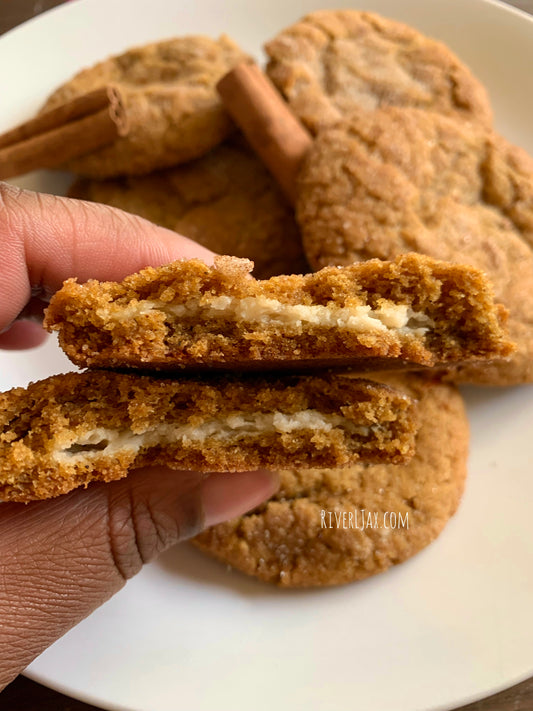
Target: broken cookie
[
  {"x": 188, "y": 315},
  {"x": 69, "y": 430}
]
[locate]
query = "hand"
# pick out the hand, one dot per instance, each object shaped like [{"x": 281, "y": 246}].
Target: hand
[{"x": 61, "y": 559}]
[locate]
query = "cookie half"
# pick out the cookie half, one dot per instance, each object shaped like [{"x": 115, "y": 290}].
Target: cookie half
[
  {"x": 189, "y": 315},
  {"x": 170, "y": 101},
  {"x": 332, "y": 63},
  {"x": 227, "y": 201},
  {"x": 405, "y": 180},
  {"x": 69, "y": 430},
  {"x": 306, "y": 534}
]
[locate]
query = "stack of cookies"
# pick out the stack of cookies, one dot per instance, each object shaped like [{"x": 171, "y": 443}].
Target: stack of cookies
[
  {"x": 404, "y": 171},
  {"x": 210, "y": 328}
]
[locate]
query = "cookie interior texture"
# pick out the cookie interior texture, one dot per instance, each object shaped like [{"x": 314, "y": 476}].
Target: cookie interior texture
[
  {"x": 288, "y": 541},
  {"x": 169, "y": 95},
  {"x": 227, "y": 201},
  {"x": 404, "y": 180},
  {"x": 332, "y": 63},
  {"x": 69, "y": 430},
  {"x": 188, "y": 314}
]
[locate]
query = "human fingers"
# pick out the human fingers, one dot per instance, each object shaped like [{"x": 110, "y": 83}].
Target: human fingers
[
  {"x": 61, "y": 559},
  {"x": 46, "y": 239}
]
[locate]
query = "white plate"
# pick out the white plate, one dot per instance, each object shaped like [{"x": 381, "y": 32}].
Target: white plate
[{"x": 449, "y": 626}]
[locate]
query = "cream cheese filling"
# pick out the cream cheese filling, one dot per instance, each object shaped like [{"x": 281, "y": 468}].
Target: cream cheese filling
[
  {"x": 108, "y": 442},
  {"x": 263, "y": 310}
]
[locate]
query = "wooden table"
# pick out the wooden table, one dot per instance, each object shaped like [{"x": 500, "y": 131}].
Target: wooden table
[{"x": 26, "y": 695}]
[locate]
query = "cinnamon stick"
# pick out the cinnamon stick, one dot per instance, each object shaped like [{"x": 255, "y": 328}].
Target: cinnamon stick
[
  {"x": 273, "y": 131},
  {"x": 80, "y": 126}
]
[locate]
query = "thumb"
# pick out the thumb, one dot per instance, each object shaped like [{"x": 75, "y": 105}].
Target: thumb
[{"x": 61, "y": 559}]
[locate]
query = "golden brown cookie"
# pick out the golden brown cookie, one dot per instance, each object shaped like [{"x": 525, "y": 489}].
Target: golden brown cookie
[
  {"x": 306, "y": 536},
  {"x": 226, "y": 201},
  {"x": 168, "y": 91},
  {"x": 69, "y": 430},
  {"x": 332, "y": 63},
  {"x": 406, "y": 180},
  {"x": 189, "y": 315}
]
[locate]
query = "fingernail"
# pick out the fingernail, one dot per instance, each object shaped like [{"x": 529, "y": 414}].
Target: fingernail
[{"x": 225, "y": 496}]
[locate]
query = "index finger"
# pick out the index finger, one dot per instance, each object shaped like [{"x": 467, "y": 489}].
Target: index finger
[{"x": 47, "y": 239}]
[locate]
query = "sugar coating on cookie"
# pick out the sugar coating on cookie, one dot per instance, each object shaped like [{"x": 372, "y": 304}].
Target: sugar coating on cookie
[
  {"x": 69, "y": 430},
  {"x": 306, "y": 536},
  {"x": 406, "y": 180},
  {"x": 227, "y": 201},
  {"x": 189, "y": 315},
  {"x": 332, "y": 63},
  {"x": 170, "y": 100}
]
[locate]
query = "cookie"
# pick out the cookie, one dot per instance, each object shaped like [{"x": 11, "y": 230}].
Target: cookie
[
  {"x": 69, "y": 430},
  {"x": 306, "y": 536},
  {"x": 332, "y": 63},
  {"x": 226, "y": 201},
  {"x": 189, "y": 315},
  {"x": 170, "y": 101},
  {"x": 406, "y": 180}
]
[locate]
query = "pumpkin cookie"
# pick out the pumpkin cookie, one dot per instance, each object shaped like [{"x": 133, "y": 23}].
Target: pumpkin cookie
[
  {"x": 69, "y": 430},
  {"x": 332, "y": 63},
  {"x": 226, "y": 201},
  {"x": 306, "y": 536},
  {"x": 406, "y": 180},
  {"x": 189, "y": 315},
  {"x": 168, "y": 91}
]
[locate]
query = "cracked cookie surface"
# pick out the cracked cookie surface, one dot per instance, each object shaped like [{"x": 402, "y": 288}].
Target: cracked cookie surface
[
  {"x": 407, "y": 180},
  {"x": 331, "y": 63},
  {"x": 285, "y": 541},
  {"x": 170, "y": 101}
]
